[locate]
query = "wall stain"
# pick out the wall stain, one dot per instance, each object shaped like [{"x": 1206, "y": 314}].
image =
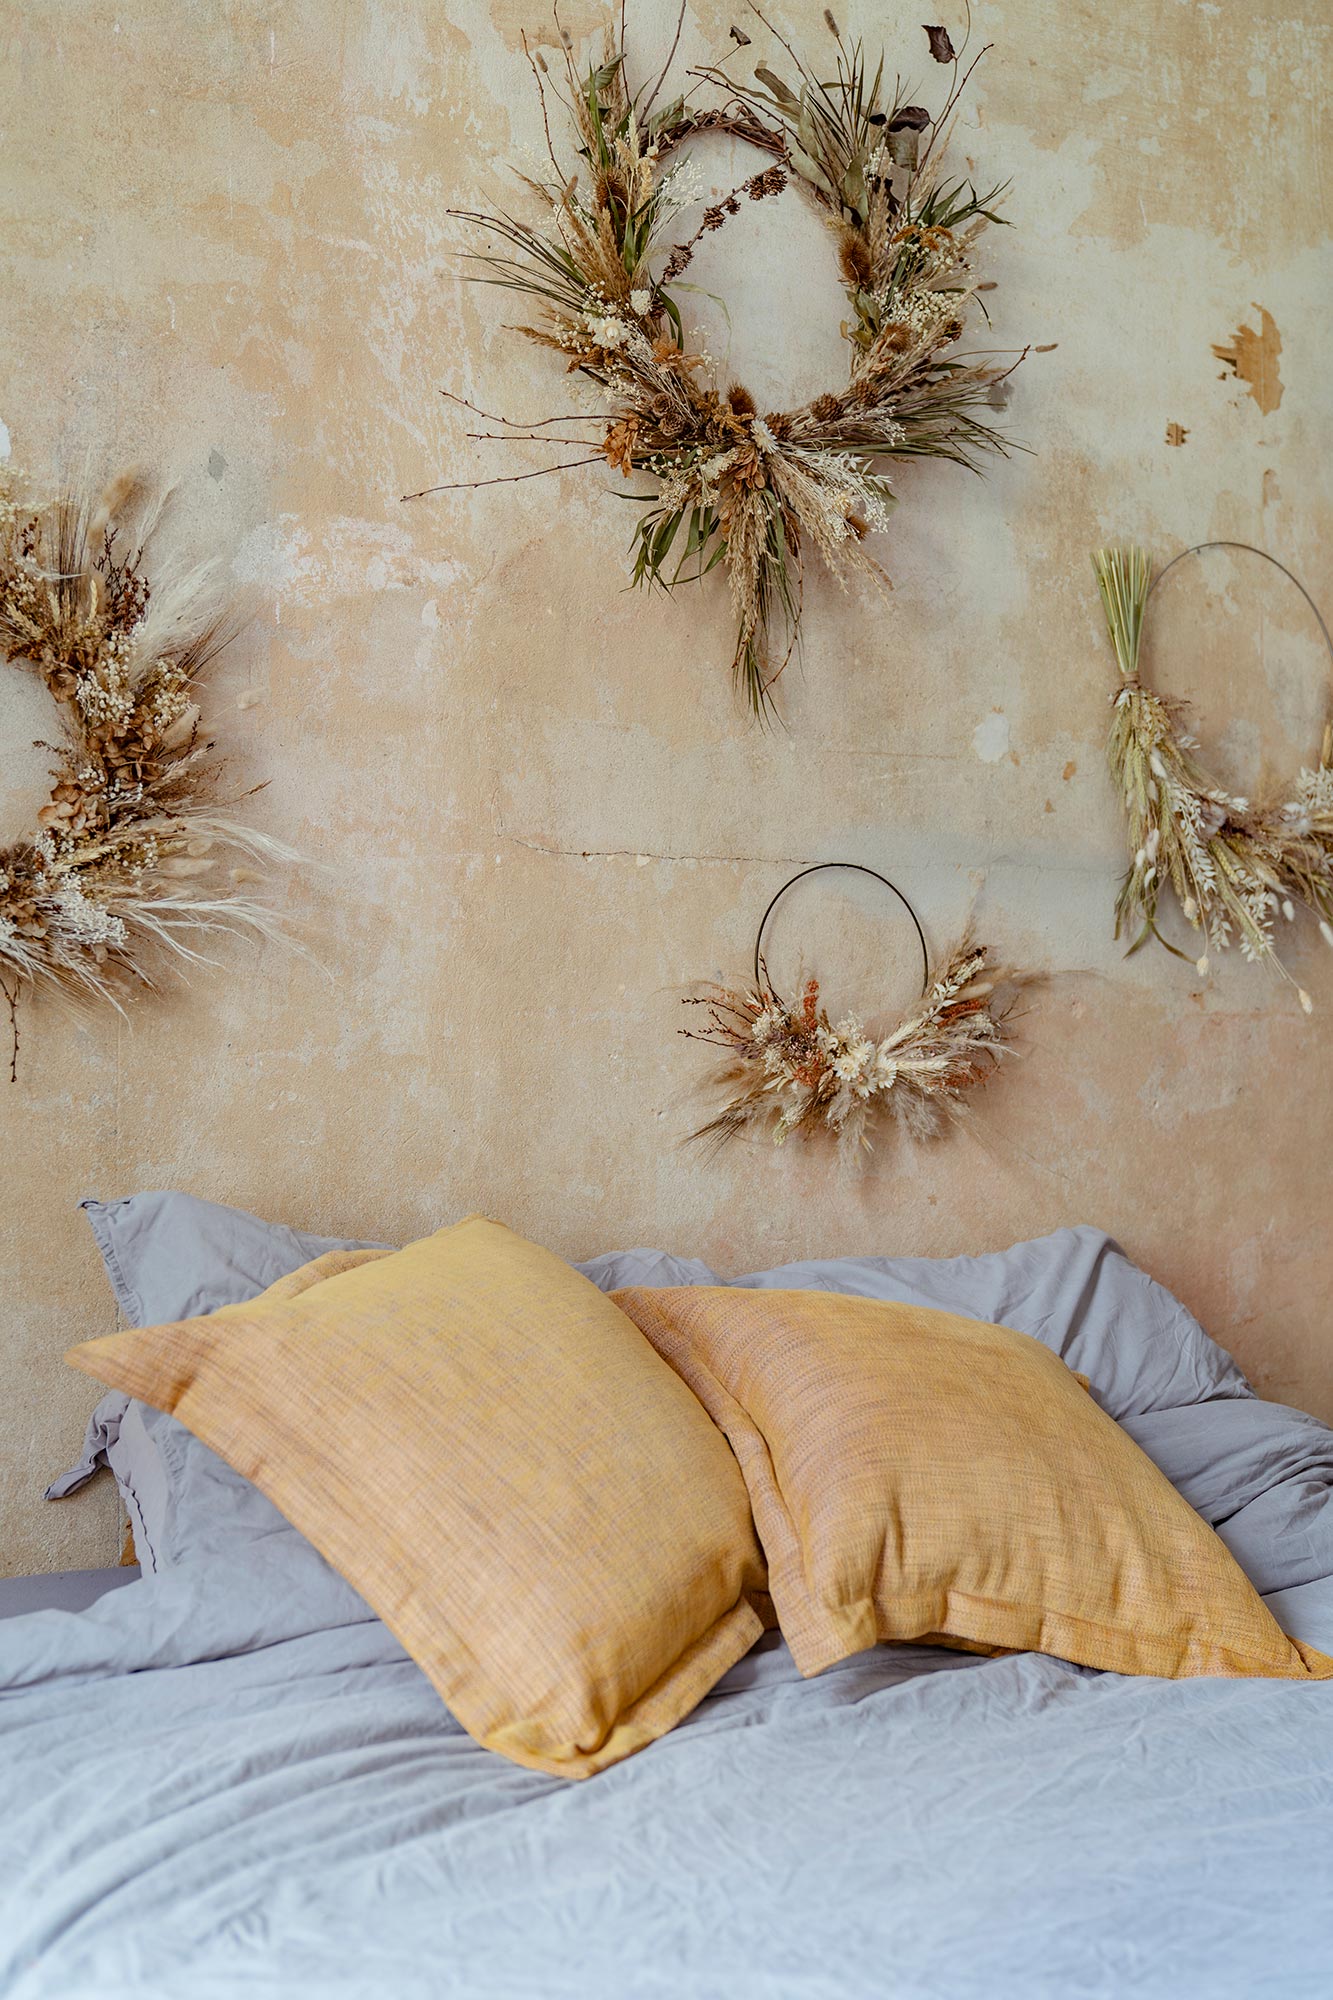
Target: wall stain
[
  {"x": 1176, "y": 433},
  {"x": 1251, "y": 355}
]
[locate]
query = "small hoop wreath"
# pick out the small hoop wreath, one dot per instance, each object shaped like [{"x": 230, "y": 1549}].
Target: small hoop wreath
[
  {"x": 790, "y": 1069},
  {"x": 1234, "y": 865},
  {"x": 123, "y": 868},
  {"x": 734, "y": 485}
]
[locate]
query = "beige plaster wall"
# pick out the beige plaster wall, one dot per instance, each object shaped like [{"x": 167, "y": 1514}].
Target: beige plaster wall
[{"x": 538, "y": 811}]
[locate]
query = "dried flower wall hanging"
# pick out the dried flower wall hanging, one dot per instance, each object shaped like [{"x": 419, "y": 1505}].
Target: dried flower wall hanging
[
  {"x": 123, "y": 872},
  {"x": 790, "y": 1068},
  {"x": 753, "y": 490},
  {"x": 1234, "y": 865}
]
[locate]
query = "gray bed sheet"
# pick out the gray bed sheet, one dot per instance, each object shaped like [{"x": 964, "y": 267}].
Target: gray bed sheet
[{"x": 232, "y": 1782}]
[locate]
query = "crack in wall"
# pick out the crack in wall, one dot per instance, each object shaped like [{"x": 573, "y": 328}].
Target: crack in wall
[{"x": 643, "y": 855}]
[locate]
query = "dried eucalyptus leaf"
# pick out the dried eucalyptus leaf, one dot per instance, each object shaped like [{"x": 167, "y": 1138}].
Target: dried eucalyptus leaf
[
  {"x": 910, "y": 117},
  {"x": 940, "y": 45},
  {"x": 854, "y": 188},
  {"x": 809, "y": 170},
  {"x": 774, "y": 83}
]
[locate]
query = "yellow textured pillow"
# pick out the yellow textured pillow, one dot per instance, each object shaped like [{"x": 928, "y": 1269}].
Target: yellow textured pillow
[
  {"x": 915, "y": 1475},
  {"x": 490, "y": 1452}
]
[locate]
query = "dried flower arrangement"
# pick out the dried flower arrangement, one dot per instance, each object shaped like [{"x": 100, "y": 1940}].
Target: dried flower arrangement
[
  {"x": 122, "y": 872},
  {"x": 735, "y": 485},
  {"x": 790, "y": 1068},
  {"x": 1234, "y": 865}
]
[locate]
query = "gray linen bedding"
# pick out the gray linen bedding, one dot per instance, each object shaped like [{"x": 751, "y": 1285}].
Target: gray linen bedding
[
  {"x": 234, "y": 1783},
  {"x": 227, "y": 1779}
]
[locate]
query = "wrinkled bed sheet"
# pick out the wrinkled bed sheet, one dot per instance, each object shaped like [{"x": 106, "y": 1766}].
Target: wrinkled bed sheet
[{"x": 235, "y": 1783}]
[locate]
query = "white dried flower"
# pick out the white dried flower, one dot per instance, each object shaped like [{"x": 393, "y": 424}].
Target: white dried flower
[
  {"x": 606, "y": 329},
  {"x": 886, "y": 1068},
  {"x": 87, "y": 920},
  {"x": 641, "y": 301}
]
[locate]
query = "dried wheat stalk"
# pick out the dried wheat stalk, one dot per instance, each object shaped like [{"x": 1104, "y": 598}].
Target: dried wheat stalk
[{"x": 1236, "y": 867}]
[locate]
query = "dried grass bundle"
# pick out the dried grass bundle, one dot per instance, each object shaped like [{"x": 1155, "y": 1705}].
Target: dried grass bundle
[
  {"x": 124, "y": 872},
  {"x": 1235, "y": 866},
  {"x": 752, "y": 489},
  {"x": 790, "y": 1069}
]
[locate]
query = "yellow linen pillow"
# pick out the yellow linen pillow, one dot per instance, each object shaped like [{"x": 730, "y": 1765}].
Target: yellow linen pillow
[
  {"x": 919, "y": 1476},
  {"x": 490, "y": 1452}
]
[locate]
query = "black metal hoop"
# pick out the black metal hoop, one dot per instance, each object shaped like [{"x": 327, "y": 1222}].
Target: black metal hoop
[
  {"x": 1198, "y": 549},
  {"x": 859, "y": 868}
]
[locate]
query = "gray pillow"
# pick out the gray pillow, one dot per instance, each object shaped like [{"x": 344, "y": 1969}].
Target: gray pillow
[{"x": 170, "y": 1256}]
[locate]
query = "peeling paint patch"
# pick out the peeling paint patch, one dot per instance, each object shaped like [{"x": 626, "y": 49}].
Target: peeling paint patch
[
  {"x": 1252, "y": 358},
  {"x": 217, "y": 465},
  {"x": 1176, "y": 433},
  {"x": 1069, "y": 770},
  {"x": 990, "y": 739},
  {"x": 5, "y": 446}
]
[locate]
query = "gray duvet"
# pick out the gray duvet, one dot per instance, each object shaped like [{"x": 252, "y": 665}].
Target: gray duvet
[
  {"x": 228, "y": 1780},
  {"x": 236, "y": 1784}
]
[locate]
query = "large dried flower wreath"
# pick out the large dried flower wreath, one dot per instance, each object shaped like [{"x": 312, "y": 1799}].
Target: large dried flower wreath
[
  {"x": 123, "y": 870},
  {"x": 1235, "y": 865},
  {"x": 736, "y": 485},
  {"x": 790, "y": 1068}
]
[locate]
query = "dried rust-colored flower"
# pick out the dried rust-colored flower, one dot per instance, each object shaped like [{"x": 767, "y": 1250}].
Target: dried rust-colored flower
[
  {"x": 620, "y": 442},
  {"x": 792, "y": 1069}
]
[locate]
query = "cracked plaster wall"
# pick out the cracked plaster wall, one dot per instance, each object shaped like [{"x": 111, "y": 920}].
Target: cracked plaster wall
[{"x": 538, "y": 812}]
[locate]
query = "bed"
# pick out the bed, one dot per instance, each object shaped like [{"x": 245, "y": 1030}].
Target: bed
[{"x": 228, "y": 1778}]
